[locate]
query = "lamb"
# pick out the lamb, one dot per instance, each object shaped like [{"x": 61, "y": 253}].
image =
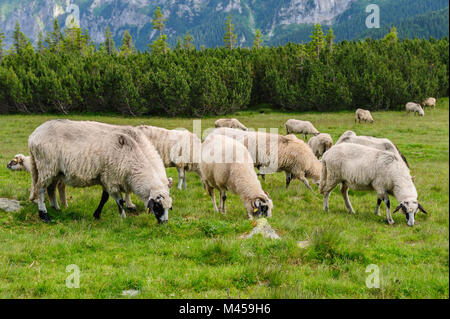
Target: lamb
[
  {"x": 320, "y": 144},
  {"x": 414, "y": 107},
  {"x": 431, "y": 102},
  {"x": 231, "y": 123},
  {"x": 361, "y": 167},
  {"x": 227, "y": 165},
  {"x": 21, "y": 162},
  {"x": 180, "y": 149},
  {"x": 273, "y": 153},
  {"x": 81, "y": 154},
  {"x": 382, "y": 144},
  {"x": 363, "y": 115},
  {"x": 300, "y": 127}
]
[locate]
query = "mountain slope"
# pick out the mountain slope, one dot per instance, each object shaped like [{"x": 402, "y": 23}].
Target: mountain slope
[{"x": 280, "y": 20}]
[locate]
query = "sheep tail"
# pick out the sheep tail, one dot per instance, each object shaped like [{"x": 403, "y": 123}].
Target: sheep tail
[
  {"x": 323, "y": 177},
  {"x": 34, "y": 178}
]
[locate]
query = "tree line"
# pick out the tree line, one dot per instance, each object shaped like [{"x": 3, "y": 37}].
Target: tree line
[{"x": 66, "y": 72}]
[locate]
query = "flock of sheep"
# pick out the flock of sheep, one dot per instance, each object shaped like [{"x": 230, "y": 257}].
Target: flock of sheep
[{"x": 126, "y": 159}]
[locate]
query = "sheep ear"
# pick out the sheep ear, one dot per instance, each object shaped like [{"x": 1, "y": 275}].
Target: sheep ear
[
  {"x": 422, "y": 210},
  {"x": 398, "y": 208},
  {"x": 170, "y": 182}
]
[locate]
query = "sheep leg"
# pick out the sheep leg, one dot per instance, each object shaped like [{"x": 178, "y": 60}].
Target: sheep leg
[
  {"x": 223, "y": 198},
  {"x": 120, "y": 202},
  {"x": 41, "y": 204},
  {"x": 180, "y": 177},
  {"x": 288, "y": 179},
  {"x": 344, "y": 192},
  {"x": 185, "y": 180},
  {"x": 326, "y": 197},
  {"x": 305, "y": 181},
  {"x": 388, "y": 210},
  {"x": 51, "y": 190},
  {"x": 98, "y": 211},
  {"x": 128, "y": 203},
  {"x": 377, "y": 209},
  {"x": 62, "y": 194},
  {"x": 213, "y": 197}
]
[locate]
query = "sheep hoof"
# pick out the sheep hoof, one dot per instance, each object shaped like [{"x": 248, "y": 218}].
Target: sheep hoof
[
  {"x": 44, "y": 216},
  {"x": 131, "y": 209},
  {"x": 390, "y": 221}
]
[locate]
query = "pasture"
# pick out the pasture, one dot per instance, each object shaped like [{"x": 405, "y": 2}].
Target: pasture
[{"x": 198, "y": 253}]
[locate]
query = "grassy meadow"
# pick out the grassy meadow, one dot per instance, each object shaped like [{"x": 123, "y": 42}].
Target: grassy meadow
[{"x": 198, "y": 253}]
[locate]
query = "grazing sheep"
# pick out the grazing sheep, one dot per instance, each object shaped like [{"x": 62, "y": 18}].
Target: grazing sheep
[
  {"x": 21, "y": 162},
  {"x": 81, "y": 154},
  {"x": 414, "y": 107},
  {"x": 180, "y": 149},
  {"x": 300, "y": 127},
  {"x": 431, "y": 102},
  {"x": 320, "y": 144},
  {"x": 361, "y": 167},
  {"x": 382, "y": 144},
  {"x": 273, "y": 153},
  {"x": 231, "y": 123},
  {"x": 363, "y": 115},
  {"x": 227, "y": 165}
]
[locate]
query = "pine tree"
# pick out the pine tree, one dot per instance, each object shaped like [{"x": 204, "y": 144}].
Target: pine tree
[
  {"x": 40, "y": 44},
  {"x": 230, "y": 38},
  {"x": 109, "y": 44},
  {"x": 56, "y": 35},
  {"x": 160, "y": 44},
  {"x": 20, "y": 40},
  {"x": 330, "y": 39},
  {"x": 392, "y": 36},
  {"x": 317, "y": 39},
  {"x": 188, "y": 42},
  {"x": 257, "y": 42},
  {"x": 127, "y": 47},
  {"x": 2, "y": 38}
]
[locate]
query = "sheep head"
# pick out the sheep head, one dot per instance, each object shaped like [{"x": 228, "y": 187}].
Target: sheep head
[
  {"x": 262, "y": 207},
  {"x": 159, "y": 206},
  {"x": 16, "y": 164},
  {"x": 410, "y": 208}
]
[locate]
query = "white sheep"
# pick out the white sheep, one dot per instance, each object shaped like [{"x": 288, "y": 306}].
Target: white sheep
[
  {"x": 227, "y": 165},
  {"x": 231, "y": 123},
  {"x": 21, "y": 162},
  {"x": 320, "y": 144},
  {"x": 274, "y": 153},
  {"x": 415, "y": 108},
  {"x": 300, "y": 127},
  {"x": 431, "y": 102},
  {"x": 382, "y": 144},
  {"x": 81, "y": 155},
  {"x": 361, "y": 167},
  {"x": 177, "y": 148},
  {"x": 363, "y": 115}
]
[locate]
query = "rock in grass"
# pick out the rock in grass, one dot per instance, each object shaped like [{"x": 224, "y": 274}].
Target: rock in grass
[
  {"x": 9, "y": 205},
  {"x": 263, "y": 227},
  {"x": 304, "y": 244},
  {"x": 130, "y": 292}
]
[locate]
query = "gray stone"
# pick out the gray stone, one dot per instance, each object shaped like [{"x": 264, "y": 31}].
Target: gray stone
[
  {"x": 304, "y": 244},
  {"x": 263, "y": 227},
  {"x": 10, "y": 205}
]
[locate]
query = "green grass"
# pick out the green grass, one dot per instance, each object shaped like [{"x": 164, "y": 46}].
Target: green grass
[{"x": 199, "y": 254}]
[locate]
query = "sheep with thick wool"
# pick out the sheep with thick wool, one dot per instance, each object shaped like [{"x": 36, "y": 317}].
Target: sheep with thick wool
[
  {"x": 81, "y": 155},
  {"x": 382, "y": 144},
  {"x": 228, "y": 166},
  {"x": 363, "y": 115},
  {"x": 177, "y": 148},
  {"x": 415, "y": 108},
  {"x": 21, "y": 162},
  {"x": 361, "y": 167},
  {"x": 274, "y": 153},
  {"x": 300, "y": 127},
  {"x": 431, "y": 102},
  {"x": 230, "y": 123},
  {"x": 320, "y": 144}
]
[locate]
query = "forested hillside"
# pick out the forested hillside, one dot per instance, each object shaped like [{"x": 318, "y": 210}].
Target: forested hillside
[{"x": 280, "y": 21}]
